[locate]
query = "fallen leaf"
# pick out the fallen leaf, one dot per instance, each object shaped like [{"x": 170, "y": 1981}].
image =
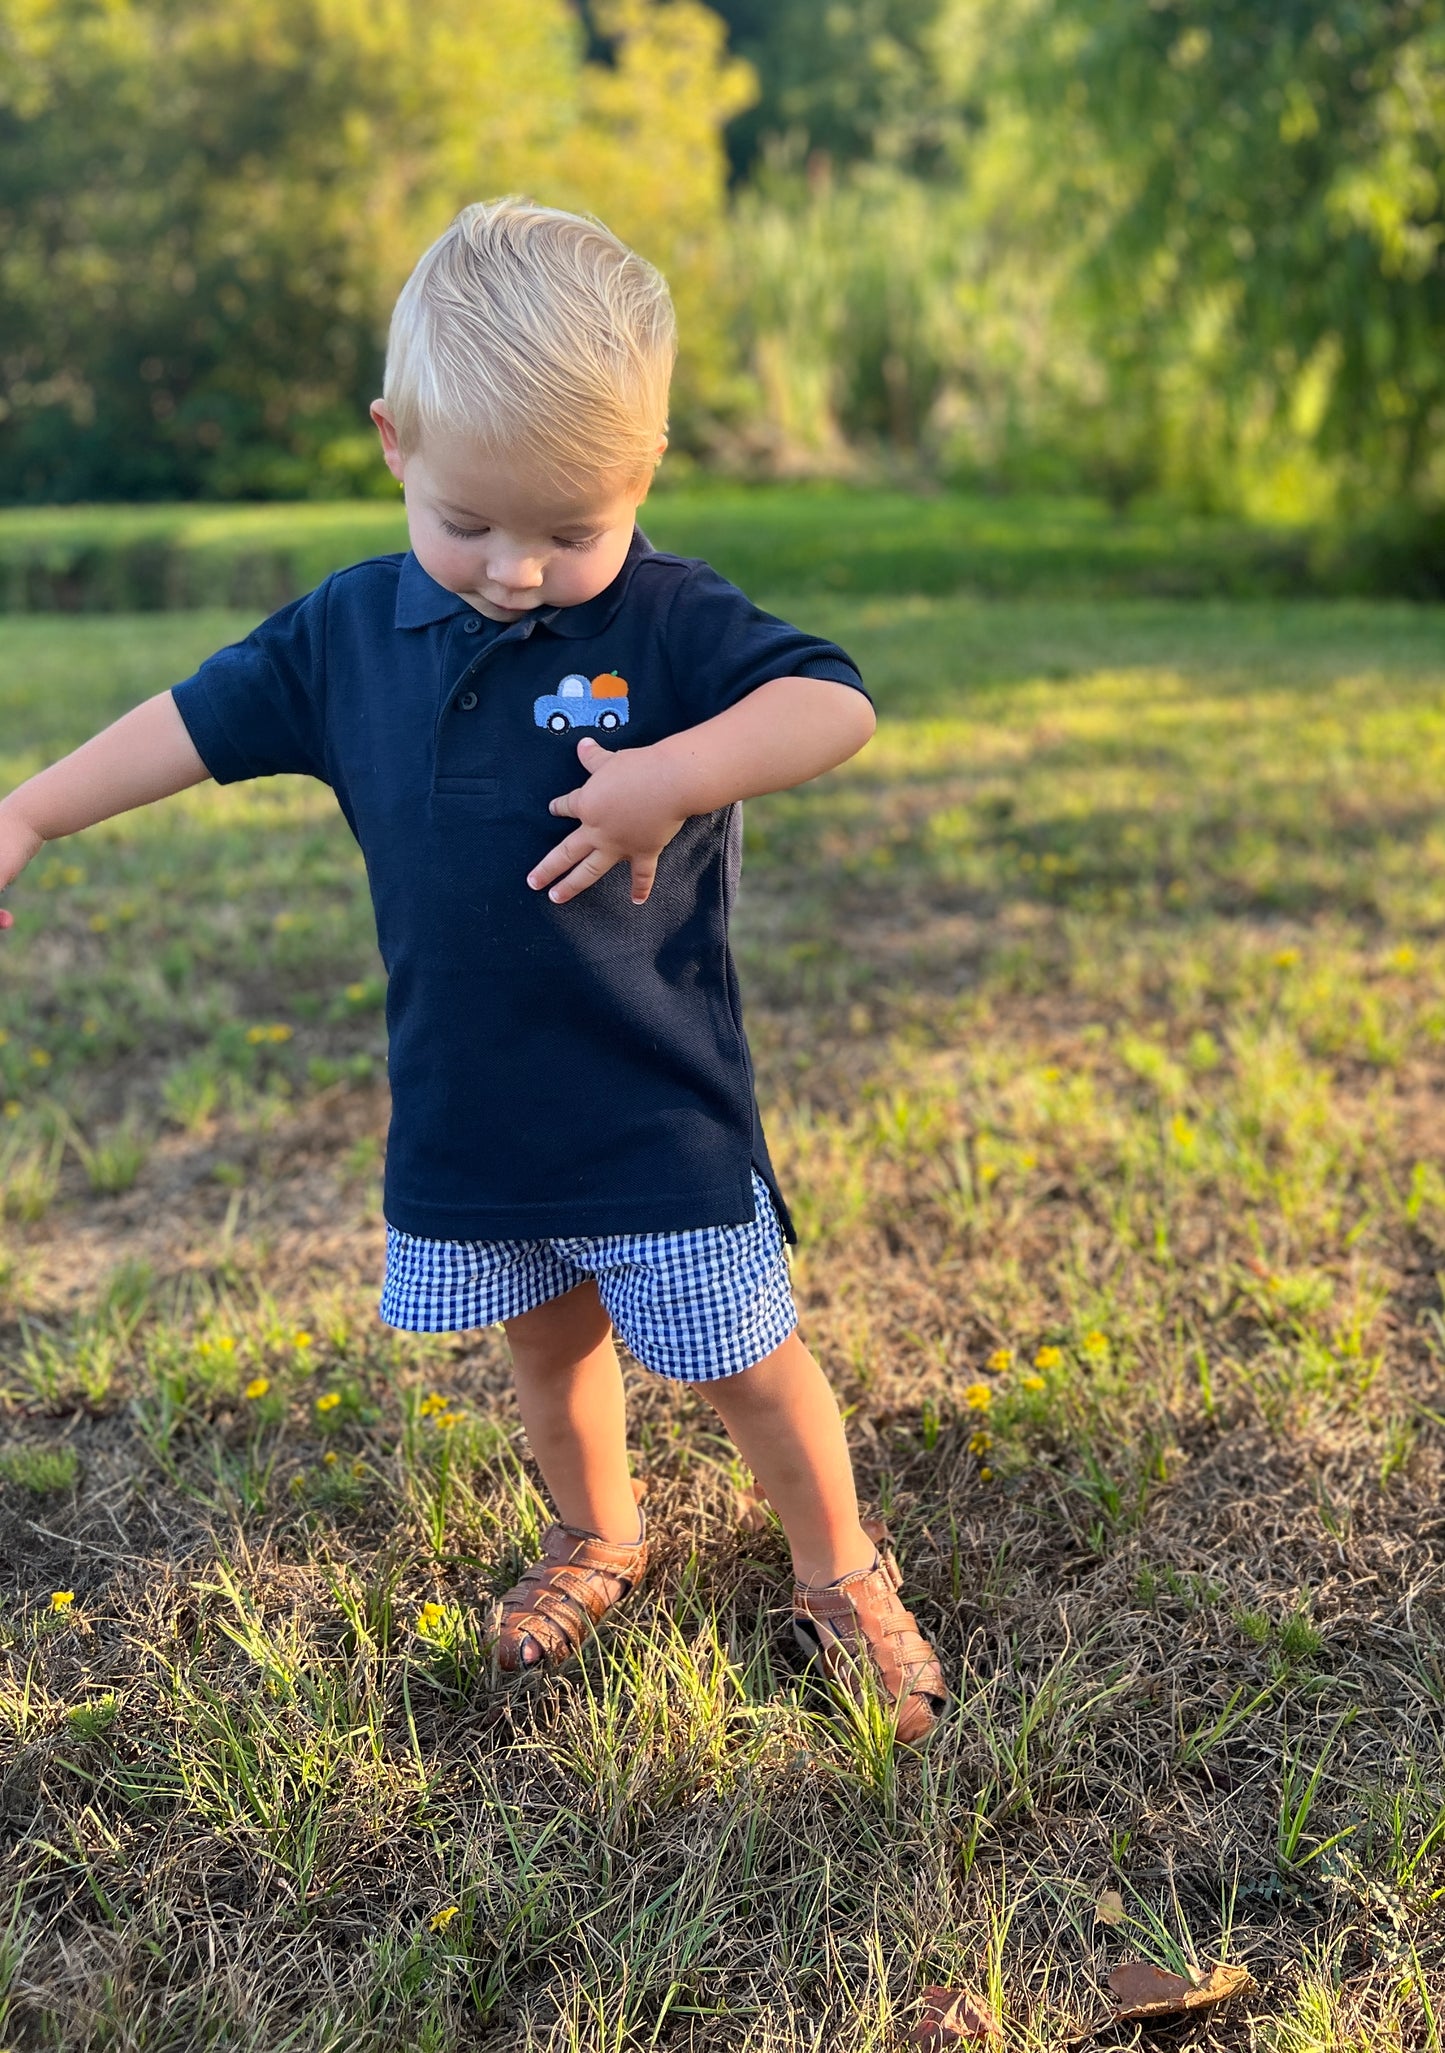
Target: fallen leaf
[
  {"x": 1143, "y": 1991},
  {"x": 950, "y": 2017},
  {"x": 1109, "y": 1910}
]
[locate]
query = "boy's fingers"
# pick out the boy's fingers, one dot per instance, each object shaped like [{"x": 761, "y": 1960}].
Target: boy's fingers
[
  {"x": 587, "y": 742},
  {"x": 7, "y": 919},
  {"x": 644, "y": 875},
  {"x": 566, "y": 805},
  {"x": 562, "y": 857},
  {"x": 586, "y": 874}
]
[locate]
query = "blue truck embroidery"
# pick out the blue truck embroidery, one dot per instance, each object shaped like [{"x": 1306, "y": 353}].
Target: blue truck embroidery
[{"x": 582, "y": 701}]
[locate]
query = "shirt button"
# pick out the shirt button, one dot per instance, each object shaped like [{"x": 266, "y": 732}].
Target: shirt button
[
  {"x": 473, "y": 626},
  {"x": 467, "y": 700}
]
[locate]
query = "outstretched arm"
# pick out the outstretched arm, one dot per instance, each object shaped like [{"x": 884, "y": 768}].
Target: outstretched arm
[
  {"x": 145, "y": 755},
  {"x": 634, "y": 800}
]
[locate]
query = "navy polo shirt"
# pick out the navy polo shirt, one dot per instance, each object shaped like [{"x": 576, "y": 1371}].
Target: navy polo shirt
[{"x": 555, "y": 1069}]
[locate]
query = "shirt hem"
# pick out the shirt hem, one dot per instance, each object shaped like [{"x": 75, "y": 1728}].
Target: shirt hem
[{"x": 730, "y": 1205}]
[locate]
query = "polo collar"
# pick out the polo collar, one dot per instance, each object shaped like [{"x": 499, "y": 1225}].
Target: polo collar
[{"x": 421, "y": 601}]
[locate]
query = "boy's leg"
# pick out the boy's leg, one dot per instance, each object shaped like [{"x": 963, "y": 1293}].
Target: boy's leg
[
  {"x": 569, "y": 1392},
  {"x": 783, "y": 1418}
]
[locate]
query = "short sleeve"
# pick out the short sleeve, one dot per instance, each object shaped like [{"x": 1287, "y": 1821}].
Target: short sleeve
[
  {"x": 256, "y": 709},
  {"x": 721, "y": 646}
]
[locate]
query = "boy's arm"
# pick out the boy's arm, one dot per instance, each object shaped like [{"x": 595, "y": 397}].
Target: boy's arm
[
  {"x": 145, "y": 755},
  {"x": 634, "y": 800}
]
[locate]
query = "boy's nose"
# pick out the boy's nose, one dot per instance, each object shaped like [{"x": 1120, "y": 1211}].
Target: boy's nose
[{"x": 515, "y": 573}]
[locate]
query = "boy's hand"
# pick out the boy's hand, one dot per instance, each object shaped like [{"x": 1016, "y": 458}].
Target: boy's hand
[
  {"x": 628, "y": 811},
  {"x": 18, "y": 844}
]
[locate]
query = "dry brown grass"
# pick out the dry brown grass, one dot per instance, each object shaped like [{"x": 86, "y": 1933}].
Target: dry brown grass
[{"x": 1192, "y": 1589}]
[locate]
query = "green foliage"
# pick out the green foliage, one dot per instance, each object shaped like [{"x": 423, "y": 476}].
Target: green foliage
[
  {"x": 205, "y": 213},
  {"x": 1257, "y": 191},
  {"x": 855, "y": 82},
  {"x": 41, "y": 1471}
]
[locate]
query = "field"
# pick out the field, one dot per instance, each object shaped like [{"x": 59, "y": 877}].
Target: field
[
  {"x": 1099, "y": 1010},
  {"x": 803, "y": 538}
]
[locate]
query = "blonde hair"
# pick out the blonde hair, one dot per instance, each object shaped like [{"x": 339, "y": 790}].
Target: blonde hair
[{"x": 534, "y": 332}]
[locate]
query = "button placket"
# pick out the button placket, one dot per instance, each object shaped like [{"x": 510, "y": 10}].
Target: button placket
[{"x": 464, "y": 698}]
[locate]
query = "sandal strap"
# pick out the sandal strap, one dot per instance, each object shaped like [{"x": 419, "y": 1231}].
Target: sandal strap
[
  {"x": 561, "y": 1597},
  {"x": 862, "y": 1618}
]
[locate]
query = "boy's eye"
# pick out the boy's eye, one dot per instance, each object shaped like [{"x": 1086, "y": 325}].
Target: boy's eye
[
  {"x": 574, "y": 541},
  {"x": 462, "y": 534}
]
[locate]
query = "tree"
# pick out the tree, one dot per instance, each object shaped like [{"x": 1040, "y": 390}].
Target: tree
[
  {"x": 206, "y": 211},
  {"x": 1261, "y": 192},
  {"x": 848, "y": 80}
]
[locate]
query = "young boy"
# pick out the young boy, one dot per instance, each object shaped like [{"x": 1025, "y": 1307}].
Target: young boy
[{"x": 575, "y": 1146}]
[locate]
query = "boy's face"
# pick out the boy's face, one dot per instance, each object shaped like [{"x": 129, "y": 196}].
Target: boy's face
[{"x": 501, "y": 538}]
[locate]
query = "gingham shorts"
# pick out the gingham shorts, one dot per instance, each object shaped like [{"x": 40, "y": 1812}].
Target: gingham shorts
[{"x": 695, "y": 1306}]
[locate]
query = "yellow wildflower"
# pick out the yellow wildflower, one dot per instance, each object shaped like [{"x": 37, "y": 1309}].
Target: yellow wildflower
[
  {"x": 301, "y": 1340},
  {"x": 224, "y": 1344},
  {"x": 1049, "y": 1358},
  {"x": 979, "y": 1443},
  {"x": 444, "y": 1917},
  {"x": 450, "y": 1418},
  {"x": 40, "y": 1058},
  {"x": 1034, "y": 1383},
  {"x": 4, "y": 1038},
  {"x": 329, "y": 1402},
  {"x": 978, "y": 1396},
  {"x": 12, "y": 1108},
  {"x": 1000, "y": 1361},
  {"x": 356, "y": 992},
  {"x": 99, "y": 921},
  {"x": 1403, "y": 958},
  {"x": 1286, "y": 958},
  {"x": 985, "y": 1475},
  {"x": 61, "y": 1600},
  {"x": 72, "y": 874},
  {"x": 283, "y": 922},
  {"x": 430, "y": 1617},
  {"x": 257, "y": 1387},
  {"x": 358, "y": 1468},
  {"x": 431, "y": 1404},
  {"x": 1184, "y": 1134},
  {"x": 328, "y": 1460},
  {"x": 127, "y": 911}
]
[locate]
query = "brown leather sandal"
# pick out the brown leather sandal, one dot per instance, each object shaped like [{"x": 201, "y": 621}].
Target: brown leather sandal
[
  {"x": 861, "y": 1621},
  {"x": 546, "y": 1616}
]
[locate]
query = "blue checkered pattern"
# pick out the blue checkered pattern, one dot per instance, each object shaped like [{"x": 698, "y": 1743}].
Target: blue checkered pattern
[{"x": 695, "y": 1306}]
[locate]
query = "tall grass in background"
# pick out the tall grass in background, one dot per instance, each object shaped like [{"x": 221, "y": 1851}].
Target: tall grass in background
[{"x": 885, "y": 320}]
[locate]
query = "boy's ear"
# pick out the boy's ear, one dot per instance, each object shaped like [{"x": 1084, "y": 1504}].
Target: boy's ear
[{"x": 390, "y": 445}]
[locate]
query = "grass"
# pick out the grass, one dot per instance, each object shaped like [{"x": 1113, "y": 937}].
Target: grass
[
  {"x": 1114, "y": 1135},
  {"x": 800, "y": 538}
]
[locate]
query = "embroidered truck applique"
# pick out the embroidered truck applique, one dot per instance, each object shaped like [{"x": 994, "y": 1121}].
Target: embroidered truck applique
[{"x": 582, "y": 702}]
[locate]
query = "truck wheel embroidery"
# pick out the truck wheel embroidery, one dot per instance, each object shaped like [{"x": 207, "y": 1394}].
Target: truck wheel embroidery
[{"x": 579, "y": 701}]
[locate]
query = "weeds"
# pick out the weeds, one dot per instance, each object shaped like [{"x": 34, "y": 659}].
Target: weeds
[{"x": 1109, "y": 1133}]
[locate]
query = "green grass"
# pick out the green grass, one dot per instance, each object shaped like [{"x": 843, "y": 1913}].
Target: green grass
[
  {"x": 1114, "y": 1135},
  {"x": 802, "y": 539}
]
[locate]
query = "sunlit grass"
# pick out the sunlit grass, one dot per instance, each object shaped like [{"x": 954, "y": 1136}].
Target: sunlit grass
[{"x": 1099, "y": 1012}]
